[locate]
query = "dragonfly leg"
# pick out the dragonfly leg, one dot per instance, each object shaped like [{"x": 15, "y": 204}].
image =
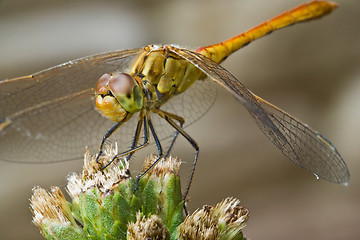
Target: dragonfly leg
[
  {"x": 160, "y": 154},
  {"x": 171, "y": 144},
  {"x": 190, "y": 140},
  {"x": 181, "y": 123},
  {"x": 135, "y": 140},
  {"x": 134, "y": 149},
  {"x": 106, "y": 136}
]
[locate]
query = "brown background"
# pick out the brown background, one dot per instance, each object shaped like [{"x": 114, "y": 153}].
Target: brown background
[{"x": 311, "y": 70}]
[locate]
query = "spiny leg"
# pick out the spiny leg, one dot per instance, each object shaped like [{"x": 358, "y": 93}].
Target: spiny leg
[
  {"x": 180, "y": 130},
  {"x": 171, "y": 144},
  {"x": 134, "y": 149},
  {"x": 160, "y": 153},
  {"x": 181, "y": 122},
  {"x": 193, "y": 144},
  {"x": 106, "y": 136},
  {"x": 136, "y": 139}
]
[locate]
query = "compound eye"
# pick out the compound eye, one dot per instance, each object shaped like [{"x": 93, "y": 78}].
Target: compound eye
[
  {"x": 101, "y": 85},
  {"x": 121, "y": 84}
]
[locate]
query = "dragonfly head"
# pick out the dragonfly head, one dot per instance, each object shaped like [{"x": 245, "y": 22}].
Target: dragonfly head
[{"x": 118, "y": 95}]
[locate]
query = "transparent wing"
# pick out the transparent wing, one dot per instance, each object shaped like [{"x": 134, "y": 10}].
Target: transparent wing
[
  {"x": 304, "y": 146},
  {"x": 49, "y": 116}
]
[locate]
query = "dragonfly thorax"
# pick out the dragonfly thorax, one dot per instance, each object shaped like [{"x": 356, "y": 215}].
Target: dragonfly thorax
[{"x": 163, "y": 73}]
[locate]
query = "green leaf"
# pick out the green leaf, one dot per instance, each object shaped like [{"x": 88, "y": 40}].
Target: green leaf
[
  {"x": 150, "y": 199},
  {"x": 177, "y": 218},
  {"x": 89, "y": 227},
  {"x": 122, "y": 209},
  {"x": 108, "y": 203},
  {"x": 119, "y": 230},
  {"x": 135, "y": 207},
  {"x": 105, "y": 220},
  {"x": 90, "y": 206},
  {"x": 55, "y": 230}
]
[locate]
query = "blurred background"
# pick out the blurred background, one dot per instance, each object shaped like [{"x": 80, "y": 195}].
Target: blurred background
[{"x": 311, "y": 70}]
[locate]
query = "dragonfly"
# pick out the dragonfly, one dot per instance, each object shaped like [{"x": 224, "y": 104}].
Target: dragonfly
[{"x": 47, "y": 116}]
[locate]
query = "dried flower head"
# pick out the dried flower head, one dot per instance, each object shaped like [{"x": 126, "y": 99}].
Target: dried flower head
[
  {"x": 224, "y": 221},
  {"x": 105, "y": 206},
  {"x": 94, "y": 176},
  {"x": 147, "y": 228}
]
